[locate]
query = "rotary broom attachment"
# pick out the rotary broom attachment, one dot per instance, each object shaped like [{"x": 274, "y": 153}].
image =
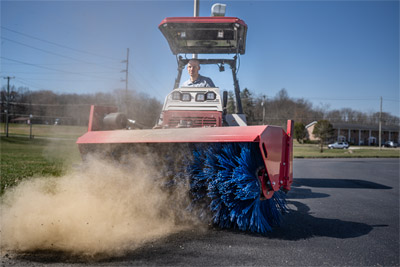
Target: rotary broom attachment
[
  {"x": 236, "y": 174},
  {"x": 228, "y": 175}
]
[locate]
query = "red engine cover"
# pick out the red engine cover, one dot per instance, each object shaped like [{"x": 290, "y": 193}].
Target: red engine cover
[{"x": 192, "y": 119}]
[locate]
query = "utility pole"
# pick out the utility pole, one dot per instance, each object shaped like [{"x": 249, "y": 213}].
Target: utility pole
[
  {"x": 263, "y": 105},
  {"x": 380, "y": 127},
  {"x": 126, "y": 70},
  {"x": 8, "y": 101},
  {"x": 196, "y": 14},
  {"x": 30, "y": 126},
  {"x": 196, "y": 8}
]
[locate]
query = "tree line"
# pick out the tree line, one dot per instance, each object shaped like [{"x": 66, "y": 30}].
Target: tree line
[
  {"x": 278, "y": 109},
  {"x": 47, "y": 107},
  {"x": 73, "y": 109}
]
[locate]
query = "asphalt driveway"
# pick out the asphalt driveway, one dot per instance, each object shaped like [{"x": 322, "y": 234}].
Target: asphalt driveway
[{"x": 343, "y": 212}]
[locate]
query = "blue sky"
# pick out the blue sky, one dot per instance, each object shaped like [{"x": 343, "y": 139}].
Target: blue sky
[{"x": 334, "y": 53}]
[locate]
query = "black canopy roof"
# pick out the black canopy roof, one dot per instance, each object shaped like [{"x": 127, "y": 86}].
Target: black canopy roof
[{"x": 205, "y": 35}]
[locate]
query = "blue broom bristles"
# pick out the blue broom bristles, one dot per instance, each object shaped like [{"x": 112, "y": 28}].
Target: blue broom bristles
[{"x": 226, "y": 176}]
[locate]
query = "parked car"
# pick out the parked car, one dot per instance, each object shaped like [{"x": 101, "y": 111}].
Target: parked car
[
  {"x": 390, "y": 144},
  {"x": 342, "y": 145}
]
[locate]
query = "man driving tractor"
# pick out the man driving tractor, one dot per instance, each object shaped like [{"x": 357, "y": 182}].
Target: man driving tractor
[{"x": 196, "y": 80}]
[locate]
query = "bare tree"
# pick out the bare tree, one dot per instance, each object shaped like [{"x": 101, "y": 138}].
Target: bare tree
[{"x": 324, "y": 131}]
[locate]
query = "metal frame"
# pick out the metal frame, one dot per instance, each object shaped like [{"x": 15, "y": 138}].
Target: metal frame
[
  {"x": 275, "y": 145},
  {"x": 182, "y": 62}
]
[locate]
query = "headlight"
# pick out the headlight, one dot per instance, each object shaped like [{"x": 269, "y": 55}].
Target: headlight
[
  {"x": 210, "y": 96},
  {"x": 200, "y": 97},
  {"x": 176, "y": 96},
  {"x": 186, "y": 97}
]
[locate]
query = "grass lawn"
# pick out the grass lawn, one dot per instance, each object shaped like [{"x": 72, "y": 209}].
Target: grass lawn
[
  {"x": 313, "y": 151},
  {"x": 22, "y": 157},
  {"x": 53, "y": 151},
  {"x": 39, "y": 130}
]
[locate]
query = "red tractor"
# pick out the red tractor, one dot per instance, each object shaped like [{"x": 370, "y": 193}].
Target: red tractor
[{"x": 241, "y": 169}]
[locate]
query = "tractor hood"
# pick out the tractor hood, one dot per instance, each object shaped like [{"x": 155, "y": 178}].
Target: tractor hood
[{"x": 205, "y": 35}]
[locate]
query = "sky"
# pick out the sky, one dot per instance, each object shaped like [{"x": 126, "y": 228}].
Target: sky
[{"x": 336, "y": 54}]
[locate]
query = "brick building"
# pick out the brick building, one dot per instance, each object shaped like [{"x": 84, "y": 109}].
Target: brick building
[{"x": 359, "y": 134}]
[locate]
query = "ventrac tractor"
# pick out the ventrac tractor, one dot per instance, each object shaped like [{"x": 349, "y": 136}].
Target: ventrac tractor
[{"x": 242, "y": 170}]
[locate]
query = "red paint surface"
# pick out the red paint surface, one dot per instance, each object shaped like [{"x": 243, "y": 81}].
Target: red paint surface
[
  {"x": 276, "y": 146},
  {"x": 179, "y": 135},
  {"x": 195, "y": 116},
  {"x": 202, "y": 20}
]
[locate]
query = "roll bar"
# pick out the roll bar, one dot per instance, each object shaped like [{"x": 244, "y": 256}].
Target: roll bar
[{"x": 182, "y": 62}]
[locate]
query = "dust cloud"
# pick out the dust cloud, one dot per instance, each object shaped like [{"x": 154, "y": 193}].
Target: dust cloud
[{"x": 101, "y": 208}]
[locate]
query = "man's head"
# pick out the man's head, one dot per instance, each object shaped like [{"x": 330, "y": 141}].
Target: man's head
[{"x": 193, "y": 69}]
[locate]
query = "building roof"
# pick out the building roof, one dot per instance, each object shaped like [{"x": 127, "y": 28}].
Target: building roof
[
  {"x": 311, "y": 124},
  {"x": 354, "y": 126},
  {"x": 20, "y": 119}
]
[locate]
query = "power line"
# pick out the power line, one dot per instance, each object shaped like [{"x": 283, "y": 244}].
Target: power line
[
  {"x": 52, "y": 69},
  {"x": 56, "y": 44},
  {"x": 140, "y": 85},
  {"x": 343, "y": 99},
  {"x": 50, "y": 64},
  {"x": 46, "y": 105},
  {"x": 40, "y": 116},
  {"x": 392, "y": 100},
  {"x": 60, "y": 80},
  {"x": 55, "y": 54},
  {"x": 336, "y": 99},
  {"x": 23, "y": 81},
  {"x": 35, "y": 65},
  {"x": 147, "y": 82},
  {"x": 46, "y": 73}
]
